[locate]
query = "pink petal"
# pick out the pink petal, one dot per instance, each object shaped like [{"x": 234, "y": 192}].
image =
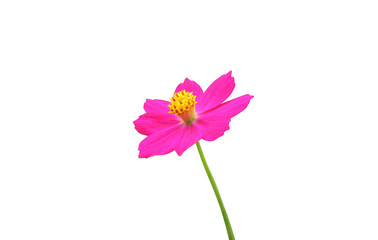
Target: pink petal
[
  {"x": 215, "y": 122},
  {"x": 216, "y": 93},
  {"x": 152, "y": 122},
  {"x": 159, "y": 143},
  {"x": 156, "y": 105},
  {"x": 190, "y": 86},
  {"x": 179, "y": 138},
  {"x": 230, "y": 108},
  {"x": 189, "y": 135},
  {"x": 212, "y": 127}
]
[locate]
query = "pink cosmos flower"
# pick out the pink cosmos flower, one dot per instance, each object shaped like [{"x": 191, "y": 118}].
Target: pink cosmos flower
[{"x": 190, "y": 116}]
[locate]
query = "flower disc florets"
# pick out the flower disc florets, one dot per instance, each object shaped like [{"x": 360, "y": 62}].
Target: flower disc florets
[{"x": 182, "y": 104}]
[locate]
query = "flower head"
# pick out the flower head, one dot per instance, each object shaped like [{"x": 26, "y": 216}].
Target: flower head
[
  {"x": 190, "y": 116},
  {"x": 182, "y": 104}
]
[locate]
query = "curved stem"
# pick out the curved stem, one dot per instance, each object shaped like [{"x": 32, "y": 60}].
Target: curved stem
[{"x": 216, "y": 191}]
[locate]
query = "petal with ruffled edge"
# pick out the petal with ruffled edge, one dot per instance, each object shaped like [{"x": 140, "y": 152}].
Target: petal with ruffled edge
[
  {"x": 159, "y": 143},
  {"x": 190, "y": 86},
  {"x": 156, "y": 105},
  {"x": 215, "y": 122},
  {"x": 216, "y": 93},
  {"x": 152, "y": 122},
  {"x": 178, "y": 138}
]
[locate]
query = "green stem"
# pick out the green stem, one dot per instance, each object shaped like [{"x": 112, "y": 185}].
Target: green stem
[{"x": 216, "y": 191}]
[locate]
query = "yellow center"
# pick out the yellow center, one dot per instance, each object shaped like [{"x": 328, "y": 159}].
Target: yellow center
[{"x": 182, "y": 104}]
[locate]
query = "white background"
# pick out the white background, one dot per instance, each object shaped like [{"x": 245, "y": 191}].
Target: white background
[{"x": 299, "y": 163}]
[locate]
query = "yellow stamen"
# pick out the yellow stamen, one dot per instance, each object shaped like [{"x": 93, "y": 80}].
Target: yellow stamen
[{"x": 182, "y": 104}]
